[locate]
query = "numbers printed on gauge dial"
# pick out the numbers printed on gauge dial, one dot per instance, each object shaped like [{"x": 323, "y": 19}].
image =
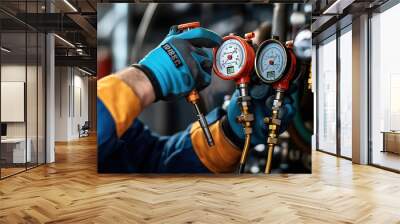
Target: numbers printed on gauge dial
[
  {"x": 230, "y": 57},
  {"x": 271, "y": 62}
]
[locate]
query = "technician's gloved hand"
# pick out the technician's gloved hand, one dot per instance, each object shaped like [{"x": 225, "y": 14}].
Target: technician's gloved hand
[
  {"x": 261, "y": 106},
  {"x": 181, "y": 62}
]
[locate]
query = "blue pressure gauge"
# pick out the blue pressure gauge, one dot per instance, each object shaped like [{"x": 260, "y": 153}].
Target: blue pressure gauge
[{"x": 271, "y": 61}]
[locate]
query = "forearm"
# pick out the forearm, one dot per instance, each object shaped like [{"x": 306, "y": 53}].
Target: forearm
[
  {"x": 139, "y": 83},
  {"x": 121, "y": 139},
  {"x": 124, "y": 95}
]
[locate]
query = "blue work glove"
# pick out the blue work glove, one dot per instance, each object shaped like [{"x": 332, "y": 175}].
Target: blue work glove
[
  {"x": 182, "y": 62},
  {"x": 261, "y": 106}
]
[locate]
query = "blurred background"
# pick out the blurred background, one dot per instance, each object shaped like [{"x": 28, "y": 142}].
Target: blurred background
[{"x": 127, "y": 32}]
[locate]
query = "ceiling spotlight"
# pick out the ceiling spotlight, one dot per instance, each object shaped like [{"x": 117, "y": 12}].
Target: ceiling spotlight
[
  {"x": 80, "y": 51},
  {"x": 79, "y": 44}
]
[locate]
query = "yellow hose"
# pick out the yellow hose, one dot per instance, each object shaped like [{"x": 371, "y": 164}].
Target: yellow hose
[
  {"x": 269, "y": 158},
  {"x": 245, "y": 119},
  {"x": 245, "y": 149},
  {"x": 273, "y": 128}
]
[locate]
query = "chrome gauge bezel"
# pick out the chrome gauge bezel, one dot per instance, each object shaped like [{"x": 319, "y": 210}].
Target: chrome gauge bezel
[{"x": 259, "y": 55}]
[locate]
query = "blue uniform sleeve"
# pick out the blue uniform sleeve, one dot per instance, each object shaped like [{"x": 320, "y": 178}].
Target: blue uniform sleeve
[
  {"x": 126, "y": 145},
  {"x": 139, "y": 150}
]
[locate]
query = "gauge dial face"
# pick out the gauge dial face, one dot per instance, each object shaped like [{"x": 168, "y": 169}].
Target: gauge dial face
[
  {"x": 230, "y": 58},
  {"x": 271, "y": 62}
]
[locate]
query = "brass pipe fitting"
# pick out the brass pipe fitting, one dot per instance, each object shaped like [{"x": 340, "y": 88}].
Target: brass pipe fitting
[
  {"x": 273, "y": 123},
  {"x": 245, "y": 118}
]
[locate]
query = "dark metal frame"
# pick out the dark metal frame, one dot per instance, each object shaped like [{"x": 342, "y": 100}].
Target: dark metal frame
[
  {"x": 316, "y": 97},
  {"x": 338, "y": 98},
  {"x": 369, "y": 78}
]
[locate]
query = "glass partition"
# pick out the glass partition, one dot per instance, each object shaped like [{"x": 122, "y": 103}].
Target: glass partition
[
  {"x": 22, "y": 88},
  {"x": 31, "y": 98},
  {"x": 327, "y": 95},
  {"x": 14, "y": 153}
]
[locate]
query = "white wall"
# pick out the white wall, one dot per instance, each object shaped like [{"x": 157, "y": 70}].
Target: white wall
[
  {"x": 12, "y": 73},
  {"x": 71, "y": 94},
  {"x": 62, "y": 81},
  {"x": 80, "y": 102}
]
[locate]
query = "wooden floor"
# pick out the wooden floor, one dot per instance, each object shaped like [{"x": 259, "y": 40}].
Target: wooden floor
[
  {"x": 70, "y": 191},
  {"x": 10, "y": 171}
]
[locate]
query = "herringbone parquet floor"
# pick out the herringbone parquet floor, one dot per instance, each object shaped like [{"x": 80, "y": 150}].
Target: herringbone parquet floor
[{"x": 70, "y": 191}]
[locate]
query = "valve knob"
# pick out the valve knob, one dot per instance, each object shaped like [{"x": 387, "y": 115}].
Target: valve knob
[
  {"x": 249, "y": 36},
  {"x": 191, "y": 25},
  {"x": 289, "y": 44}
]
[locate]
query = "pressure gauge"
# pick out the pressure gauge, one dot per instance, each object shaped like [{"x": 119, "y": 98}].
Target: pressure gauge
[
  {"x": 272, "y": 61},
  {"x": 234, "y": 58}
]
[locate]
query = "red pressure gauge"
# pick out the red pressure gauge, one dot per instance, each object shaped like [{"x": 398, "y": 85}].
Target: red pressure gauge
[
  {"x": 234, "y": 59},
  {"x": 283, "y": 84},
  {"x": 275, "y": 63}
]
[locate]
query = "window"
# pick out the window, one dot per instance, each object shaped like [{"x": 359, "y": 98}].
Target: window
[
  {"x": 385, "y": 89},
  {"x": 345, "y": 92},
  {"x": 327, "y": 95}
]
